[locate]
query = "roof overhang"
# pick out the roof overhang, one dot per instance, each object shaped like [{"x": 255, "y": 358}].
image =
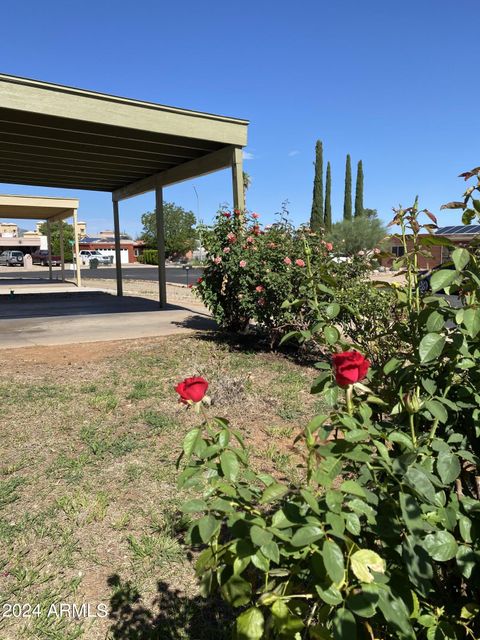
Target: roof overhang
[
  {"x": 37, "y": 208},
  {"x": 58, "y": 136}
]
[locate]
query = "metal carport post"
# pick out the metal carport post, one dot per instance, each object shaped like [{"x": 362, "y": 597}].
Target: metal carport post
[{"x": 229, "y": 157}]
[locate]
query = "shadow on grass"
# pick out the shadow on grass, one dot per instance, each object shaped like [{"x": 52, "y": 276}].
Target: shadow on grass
[
  {"x": 257, "y": 342},
  {"x": 173, "y": 616}
]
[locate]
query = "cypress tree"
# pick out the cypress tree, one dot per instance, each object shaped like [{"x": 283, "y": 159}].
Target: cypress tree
[
  {"x": 347, "y": 202},
  {"x": 316, "y": 217},
  {"x": 359, "y": 191},
  {"x": 327, "y": 220}
]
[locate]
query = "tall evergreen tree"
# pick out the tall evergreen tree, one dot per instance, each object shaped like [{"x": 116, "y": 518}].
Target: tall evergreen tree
[
  {"x": 327, "y": 220},
  {"x": 347, "y": 202},
  {"x": 316, "y": 217},
  {"x": 359, "y": 191}
]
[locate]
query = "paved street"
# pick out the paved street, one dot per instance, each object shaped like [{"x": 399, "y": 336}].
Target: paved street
[{"x": 174, "y": 274}]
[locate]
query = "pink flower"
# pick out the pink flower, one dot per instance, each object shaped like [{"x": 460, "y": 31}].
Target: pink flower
[
  {"x": 243, "y": 263},
  {"x": 237, "y": 212},
  {"x": 287, "y": 260},
  {"x": 255, "y": 216},
  {"x": 261, "y": 302},
  {"x": 231, "y": 237},
  {"x": 299, "y": 263},
  {"x": 250, "y": 239},
  {"x": 226, "y": 249},
  {"x": 217, "y": 260},
  {"x": 328, "y": 246},
  {"x": 259, "y": 288},
  {"x": 361, "y": 253},
  {"x": 271, "y": 245},
  {"x": 226, "y": 214},
  {"x": 376, "y": 251}
]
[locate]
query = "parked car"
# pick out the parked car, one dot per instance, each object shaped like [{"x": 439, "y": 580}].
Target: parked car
[
  {"x": 88, "y": 254},
  {"x": 41, "y": 257},
  {"x": 424, "y": 285},
  {"x": 11, "y": 258}
]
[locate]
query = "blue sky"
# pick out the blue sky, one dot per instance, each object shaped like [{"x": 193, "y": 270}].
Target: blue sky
[{"x": 391, "y": 83}]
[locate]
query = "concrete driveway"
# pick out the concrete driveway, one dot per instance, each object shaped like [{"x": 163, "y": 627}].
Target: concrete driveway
[{"x": 78, "y": 315}]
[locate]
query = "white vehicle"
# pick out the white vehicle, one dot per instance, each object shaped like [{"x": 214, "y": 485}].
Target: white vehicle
[{"x": 86, "y": 255}]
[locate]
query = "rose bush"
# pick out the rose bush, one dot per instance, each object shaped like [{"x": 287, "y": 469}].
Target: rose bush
[
  {"x": 381, "y": 538},
  {"x": 251, "y": 270}
]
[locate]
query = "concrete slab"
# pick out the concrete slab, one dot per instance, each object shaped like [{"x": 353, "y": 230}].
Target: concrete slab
[{"x": 83, "y": 316}]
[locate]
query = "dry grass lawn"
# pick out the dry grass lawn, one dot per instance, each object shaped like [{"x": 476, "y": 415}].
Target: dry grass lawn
[{"x": 89, "y": 510}]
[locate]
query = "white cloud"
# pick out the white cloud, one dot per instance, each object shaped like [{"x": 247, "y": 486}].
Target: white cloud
[
  {"x": 248, "y": 156},
  {"x": 294, "y": 152}
]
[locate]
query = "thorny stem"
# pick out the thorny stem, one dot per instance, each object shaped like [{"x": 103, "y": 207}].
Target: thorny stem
[
  {"x": 411, "y": 418},
  {"x": 349, "y": 399}
]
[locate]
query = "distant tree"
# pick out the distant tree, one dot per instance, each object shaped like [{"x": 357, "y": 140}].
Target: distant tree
[
  {"x": 180, "y": 234},
  {"x": 68, "y": 234},
  {"x": 247, "y": 181},
  {"x": 360, "y": 234},
  {"x": 347, "y": 202},
  {"x": 359, "y": 191},
  {"x": 370, "y": 213},
  {"x": 316, "y": 216},
  {"x": 327, "y": 220}
]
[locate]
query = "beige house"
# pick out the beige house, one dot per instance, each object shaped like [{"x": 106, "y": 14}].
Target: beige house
[{"x": 8, "y": 230}]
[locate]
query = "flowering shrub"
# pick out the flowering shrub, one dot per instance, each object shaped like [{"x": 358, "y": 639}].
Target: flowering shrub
[
  {"x": 381, "y": 539},
  {"x": 251, "y": 271}
]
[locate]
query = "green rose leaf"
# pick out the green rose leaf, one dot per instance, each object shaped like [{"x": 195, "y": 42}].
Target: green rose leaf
[
  {"x": 260, "y": 536},
  {"x": 332, "y": 310},
  {"x": 344, "y": 625},
  {"x": 471, "y": 320},
  {"x": 331, "y": 334},
  {"x": 448, "y": 466},
  {"x": 190, "y": 441},
  {"x": 333, "y": 560},
  {"x": 207, "y": 527},
  {"x": 229, "y": 464},
  {"x": 364, "y": 561},
  {"x": 331, "y": 596},
  {"x": 306, "y": 535},
  {"x": 460, "y": 258},
  {"x": 250, "y": 625},
  {"x": 441, "y": 546},
  {"x": 273, "y": 492},
  {"x": 437, "y": 409},
  {"x": 442, "y": 278},
  {"x": 193, "y": 506},
  {"x": 237, "y": 591},
  {"x": 431, "y": 346},
  {"x": 350, "y": 486}
]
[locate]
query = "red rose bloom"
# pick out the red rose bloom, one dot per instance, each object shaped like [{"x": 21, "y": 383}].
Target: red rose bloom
[
  {"x": 349, "y": 367},
  {"x": 193, "y": 389}
]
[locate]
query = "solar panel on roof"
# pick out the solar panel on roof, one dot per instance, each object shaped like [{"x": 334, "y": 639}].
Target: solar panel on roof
[{"x": 469, "y": 229}]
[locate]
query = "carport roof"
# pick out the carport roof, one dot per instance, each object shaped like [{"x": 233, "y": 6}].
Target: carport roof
[
  {"x": 58, "y": 136},
  {"x": 37, "y": 208}
]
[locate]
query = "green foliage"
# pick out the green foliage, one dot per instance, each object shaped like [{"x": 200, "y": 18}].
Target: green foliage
[
  {"x": 327, "y": 221},
  {"x": 250, "y": 271},
  {"x": 359, "y": 234},
  {"x": 150, "y": 256},
  {"x": 381, "y": 536},
  {"x": 359, "y": 191},
  {"x": 180, "y": 234},
  {"x": 68, "y": 234},
  {"x": 316, "y": 216},
  {"x": 347, "y": 202}
]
